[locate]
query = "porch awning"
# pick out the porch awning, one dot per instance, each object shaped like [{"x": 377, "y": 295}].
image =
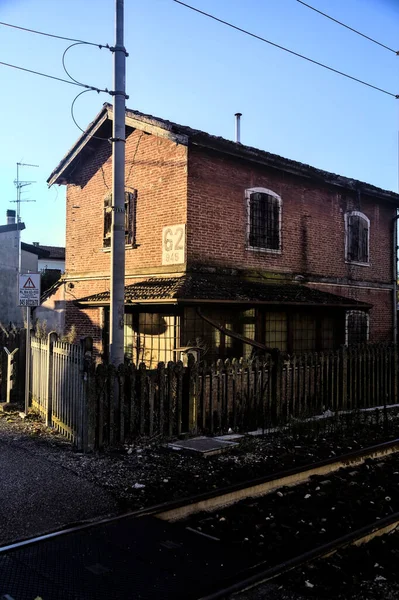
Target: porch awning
[{"x": 194, "y": 288}]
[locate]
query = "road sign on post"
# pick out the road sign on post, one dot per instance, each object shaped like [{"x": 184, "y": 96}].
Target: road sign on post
[{"x": 29, "y": 289}]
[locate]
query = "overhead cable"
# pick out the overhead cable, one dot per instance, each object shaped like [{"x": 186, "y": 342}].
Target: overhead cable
[
  {"x": 311, "y": 60},
  {"x": 59, "y": 37},
  {"x": 350, "y": 28},
  {"x": 88, "y": 87}
]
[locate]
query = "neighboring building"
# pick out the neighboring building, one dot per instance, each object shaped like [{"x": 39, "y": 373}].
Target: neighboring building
[
  {"x": 10, "y": 234},
  {"x": 31, "y": 255},
  {"x": 272, "y": 249},
  {"x": 53, "y": 260}
]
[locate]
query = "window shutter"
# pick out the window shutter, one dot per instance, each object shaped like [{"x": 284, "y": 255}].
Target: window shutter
[
  {"x": 357, "y": 239},
  {"x": 363, "y": 240},
  {"x": 274, "y": 240},
  {"x": 107, "y": 221},
  {"x": 130, "y": 218}
]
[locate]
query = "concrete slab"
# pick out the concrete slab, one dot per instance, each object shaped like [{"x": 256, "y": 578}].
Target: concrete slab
[{"x": 203, "y": 445}]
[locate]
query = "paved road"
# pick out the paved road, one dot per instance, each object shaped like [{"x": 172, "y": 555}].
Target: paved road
[{"x": 37, "y": 496}]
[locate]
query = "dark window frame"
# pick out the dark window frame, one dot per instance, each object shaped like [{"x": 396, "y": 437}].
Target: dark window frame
[
  {"x": 357, "y": 238},
  {"x": 359, "y": 334},
  {"x": 264, "y": 220},
  {"x": 130, "y": 219}
]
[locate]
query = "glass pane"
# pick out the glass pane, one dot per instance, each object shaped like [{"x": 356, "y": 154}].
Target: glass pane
[
  {"x": 303, "y": 333},
  {"x": 276, "y": 330}
]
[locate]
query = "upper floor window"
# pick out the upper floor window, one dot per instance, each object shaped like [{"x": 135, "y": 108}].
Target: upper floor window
[
  {"x": 357, "y": 327},
  {"x": 357, "y": 237},
  {"x": 264, "y": 220},
  {"x": 130, "y": 219}
]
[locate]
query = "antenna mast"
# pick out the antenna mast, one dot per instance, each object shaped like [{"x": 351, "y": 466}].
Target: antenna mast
[{"x": 19, "y": 185}]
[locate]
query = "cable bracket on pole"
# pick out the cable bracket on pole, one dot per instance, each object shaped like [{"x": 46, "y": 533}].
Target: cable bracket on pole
[
  {"x": 117, "y": 93},
  {"x": 112, "y": 140},
  {"x": 119, "y": 49}
]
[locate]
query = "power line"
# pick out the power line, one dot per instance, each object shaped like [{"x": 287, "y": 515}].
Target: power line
[
  {"x": 350, "y": 28},
  {"x": 88, "y": 87},
  {"x": 59, "y": 37},
  {"x": 311, "y": 60}
]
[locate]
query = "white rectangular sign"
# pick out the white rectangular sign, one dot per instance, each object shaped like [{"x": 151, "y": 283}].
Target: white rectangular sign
[
  {"x": 173, "y": 245},
  {"x": 29, "y": 289}
]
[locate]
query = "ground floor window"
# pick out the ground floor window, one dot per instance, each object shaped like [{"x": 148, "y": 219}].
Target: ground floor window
[
  {"x": 213, "y": 343},
  {"x": 150, "y": 337},
  {"x": 357, "y": 327},
  {"x": 293, "y": 331},
  {"x": 153, "y": 336}
]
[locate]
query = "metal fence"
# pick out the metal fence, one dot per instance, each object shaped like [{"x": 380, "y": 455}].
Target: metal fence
[
  {"x": 12, "y": 364},
  {"x": 129, "y": 403},
  {"x": 97, "y": 406},
  {"x": 58, "y": 385}
]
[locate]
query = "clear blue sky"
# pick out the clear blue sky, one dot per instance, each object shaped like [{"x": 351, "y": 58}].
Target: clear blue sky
[{"x": 189, "y": 69}]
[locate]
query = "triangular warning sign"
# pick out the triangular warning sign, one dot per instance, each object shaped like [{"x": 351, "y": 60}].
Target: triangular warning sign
[{"x": 29, "y": 284}]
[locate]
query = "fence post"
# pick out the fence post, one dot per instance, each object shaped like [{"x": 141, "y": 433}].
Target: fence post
[
  {"x": 277, "y": 367},
  {"x": 395, "y": 374},
  {"x": 51, "y": 338},
  {"x": 344, "y": 377},
  {"x": 86, "y": 435},
  {"x": 192, "y": 393}
]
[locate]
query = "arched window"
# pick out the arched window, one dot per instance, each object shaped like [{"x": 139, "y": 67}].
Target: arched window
[
  {"x": 264, "y": 220},
  {"x": 357, "y": 327},
  {"x": 357, "y": 227}
]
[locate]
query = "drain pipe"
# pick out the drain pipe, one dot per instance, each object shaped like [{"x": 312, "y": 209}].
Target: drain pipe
[{"x": 395, "y": 277}]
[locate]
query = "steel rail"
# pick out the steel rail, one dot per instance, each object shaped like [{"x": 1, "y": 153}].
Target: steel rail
[
  {"x": 354, "y": 538},
  {"x": 178, "y": 509}
]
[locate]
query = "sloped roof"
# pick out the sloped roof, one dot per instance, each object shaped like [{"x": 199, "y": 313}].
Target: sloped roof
[
  {"x": 38, "y": 250},
  {"x": 226, "y": 289},
  {"x": 183, "y": 134},
  {"x": 12, "y": 227},
  {"x": 56, "y": 252}
]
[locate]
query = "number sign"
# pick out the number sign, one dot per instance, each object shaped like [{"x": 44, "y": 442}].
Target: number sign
[{"x": 173, "y": 245}]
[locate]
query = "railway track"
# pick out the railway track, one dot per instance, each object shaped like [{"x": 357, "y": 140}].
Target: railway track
[{"x": 254, "y": 498}]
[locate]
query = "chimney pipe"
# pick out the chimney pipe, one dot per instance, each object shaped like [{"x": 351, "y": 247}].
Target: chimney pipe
[
  {"x": 10, "y": 217},
  {"x": 238, "y": 128}
]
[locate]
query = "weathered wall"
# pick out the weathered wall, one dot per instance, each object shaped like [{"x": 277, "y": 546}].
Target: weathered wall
[
  {"x": 29, "y": 262},
  {"x": 157, "y": 169},
  {"x": 52, "y": 311},
  {"x": 313, "y": 232},
  {"x": 9, "y": 309}
]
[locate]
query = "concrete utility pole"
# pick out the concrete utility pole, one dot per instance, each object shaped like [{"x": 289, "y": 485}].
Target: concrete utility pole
[{"x": 116, "y": 348}]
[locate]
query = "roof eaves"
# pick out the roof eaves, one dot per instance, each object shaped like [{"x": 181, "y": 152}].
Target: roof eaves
[
  {"x": 275, "y": 161},
  {"x": 12, "y": 227},
  {"x": 93, "y": 127}
]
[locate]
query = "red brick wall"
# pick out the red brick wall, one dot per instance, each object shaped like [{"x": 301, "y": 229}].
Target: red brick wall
[
  {"x": 157, "y": 168},
  {"x": 381, "y": 315},
  {"x": 313, "y": 227}
]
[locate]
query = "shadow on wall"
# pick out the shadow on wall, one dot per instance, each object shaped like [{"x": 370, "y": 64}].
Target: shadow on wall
[{"x": 71, "y": 323}]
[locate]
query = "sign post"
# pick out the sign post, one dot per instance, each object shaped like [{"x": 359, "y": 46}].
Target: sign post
[{"x": 28, "y": 295}]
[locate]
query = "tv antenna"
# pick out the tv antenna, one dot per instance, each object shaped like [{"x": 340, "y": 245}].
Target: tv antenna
[{"x": 20, "y": 185}]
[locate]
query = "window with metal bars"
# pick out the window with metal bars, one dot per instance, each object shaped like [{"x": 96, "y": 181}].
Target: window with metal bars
[
  {"x": 151, "y": 337},
  {"x": 357, "y": 327},
  {"x": 357, "y": 237},
  {"x": 130, "y": 219},
  {"x": 264, "y": 220}
]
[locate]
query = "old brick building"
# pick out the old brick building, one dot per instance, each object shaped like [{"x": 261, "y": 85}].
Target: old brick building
[{"x": 265, "y": 247}]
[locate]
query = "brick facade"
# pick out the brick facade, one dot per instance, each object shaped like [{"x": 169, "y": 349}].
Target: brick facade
[
  {"x": 185, "y": 183},
  {"x": 313, "y": 232}
]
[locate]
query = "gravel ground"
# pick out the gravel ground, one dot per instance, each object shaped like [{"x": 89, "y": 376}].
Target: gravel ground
[
  {"x": 368, "y": 572},
  {"x": 147, "y": 473},
  {"x": 291, "y": 521}
]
